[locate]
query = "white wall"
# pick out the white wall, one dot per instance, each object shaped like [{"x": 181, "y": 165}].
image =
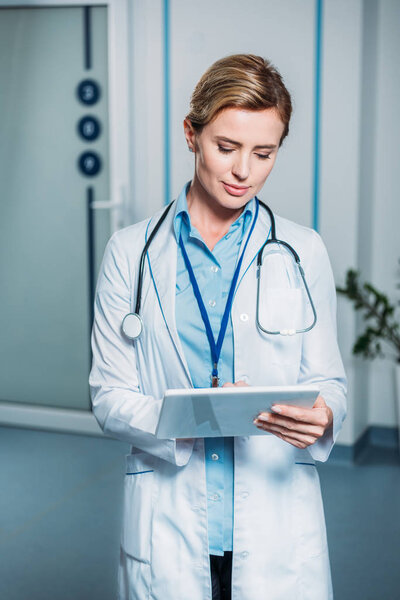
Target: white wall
[
  {"x": 386, "y": 202},
  {"x": 198, "y": 40},
  {"x": 341, "y": 103},
  {"x": 359, "y": 133},
  {"x": 147, "y": 116}
]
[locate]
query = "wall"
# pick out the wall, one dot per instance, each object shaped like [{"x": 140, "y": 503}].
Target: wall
[
  {"x": 385, "y": 162},
  {"x": 340, "y": 160},
  {"x": 358, "y": 148}
]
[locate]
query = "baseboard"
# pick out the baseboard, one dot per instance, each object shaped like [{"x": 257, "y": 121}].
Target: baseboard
[
  {"x": 374, "y": 435},
  {"x": 385, "y": 437}
]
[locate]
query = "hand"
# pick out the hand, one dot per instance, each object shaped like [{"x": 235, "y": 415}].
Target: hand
[{"x": 299, "y": 426}]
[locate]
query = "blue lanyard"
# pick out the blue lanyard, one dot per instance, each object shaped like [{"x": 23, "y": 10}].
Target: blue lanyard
[{"x": 216, "y": 347}]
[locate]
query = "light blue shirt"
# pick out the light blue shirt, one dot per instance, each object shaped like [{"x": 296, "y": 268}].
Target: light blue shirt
[{"x": 214, "y": 272}]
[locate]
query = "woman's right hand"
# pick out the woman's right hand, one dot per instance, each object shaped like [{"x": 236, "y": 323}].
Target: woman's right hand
[{"x": 239, "y": 383}]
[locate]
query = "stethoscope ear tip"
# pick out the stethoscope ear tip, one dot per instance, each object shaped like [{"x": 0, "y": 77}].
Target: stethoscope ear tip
[{"x": 132, "y": 326}]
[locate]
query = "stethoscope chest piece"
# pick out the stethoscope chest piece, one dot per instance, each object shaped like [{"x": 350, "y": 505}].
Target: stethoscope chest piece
[{"x": 132, "y": 326}]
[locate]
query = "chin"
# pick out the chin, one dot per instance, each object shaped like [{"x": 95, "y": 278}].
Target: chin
[
  {"x": 224, "y": 199},
  {"x": 233, "y": 202}
]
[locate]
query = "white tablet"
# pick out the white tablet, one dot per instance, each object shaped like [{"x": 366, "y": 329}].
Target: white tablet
[{"x": 224, "y": 412}]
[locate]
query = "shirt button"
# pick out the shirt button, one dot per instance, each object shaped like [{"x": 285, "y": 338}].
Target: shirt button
[
  {"x": 214, "y": 456},
  {"x": 212, "y": 303},
  {"x": 214, "y": 269},
  {"x": 244, "y": 317},
  {"x": 244, "y": 554},
  {"x": 214, "y": 497}
]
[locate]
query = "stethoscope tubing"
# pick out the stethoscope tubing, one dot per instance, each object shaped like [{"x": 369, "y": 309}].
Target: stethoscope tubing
[
  {"x": 143, "y": 258},
  {"x": 272, "y": 240}
]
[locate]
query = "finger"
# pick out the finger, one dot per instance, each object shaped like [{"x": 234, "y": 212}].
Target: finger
[
  {"x": 289, "y": 441},
  {"x": 292, "y": 436},
  {"x": 241, "y": 383},
  {"x": 228, "y": 385},
  {"x": 317, "y": 416},
  {"x": 319, "y": 403},
  {"x": 301, "y": 437},
  {"x": 291, "y": 424}
]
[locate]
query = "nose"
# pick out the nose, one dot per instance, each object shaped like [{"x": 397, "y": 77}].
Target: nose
[{"x": 241, "y": 166}]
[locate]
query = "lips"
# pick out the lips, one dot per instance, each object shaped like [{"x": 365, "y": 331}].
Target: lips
[{"x": 235, "y": 190}]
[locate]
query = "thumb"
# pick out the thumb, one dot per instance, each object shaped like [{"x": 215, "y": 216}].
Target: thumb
[{"x": 319, "y": 403}]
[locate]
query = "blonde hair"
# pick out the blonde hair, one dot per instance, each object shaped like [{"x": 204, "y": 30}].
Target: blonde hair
[{"x": 245, "y": 81}]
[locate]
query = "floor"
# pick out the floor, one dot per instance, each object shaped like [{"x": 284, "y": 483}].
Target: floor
[
  {"x": 59, "y": 527},
  {"x": 362, "y": 512}
]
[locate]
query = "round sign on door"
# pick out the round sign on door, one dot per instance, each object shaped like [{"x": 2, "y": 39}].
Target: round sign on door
[
  {"x": 89, "y": 128},
  {"x": 89, "y": 163},
  {"x": 88, "y": 91}
]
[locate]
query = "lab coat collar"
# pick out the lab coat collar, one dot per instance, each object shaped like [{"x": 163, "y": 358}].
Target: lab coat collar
[{"x": 162, "y": 258}]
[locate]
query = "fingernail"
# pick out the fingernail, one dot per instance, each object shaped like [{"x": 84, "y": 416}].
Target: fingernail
[
  {"x": 263, "y": 417},
  {"x": 276, "y": 409}
]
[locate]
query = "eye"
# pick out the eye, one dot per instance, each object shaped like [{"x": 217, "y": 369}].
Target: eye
[
  {"x": 224, "y": 150},
  {"x": 264, "y": 156}
]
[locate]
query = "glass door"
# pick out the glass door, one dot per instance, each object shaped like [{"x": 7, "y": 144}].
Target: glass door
[{"x": 53, "y": 164}]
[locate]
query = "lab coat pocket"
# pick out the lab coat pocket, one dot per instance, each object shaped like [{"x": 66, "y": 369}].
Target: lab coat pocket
[
  {"x": 138, "y": 506},
  {"x": 308, "y": 511},
  {"x": 281, "y": 309}
]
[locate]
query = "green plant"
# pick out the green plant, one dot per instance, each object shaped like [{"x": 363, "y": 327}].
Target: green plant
[{"x": 377, "y": 312}]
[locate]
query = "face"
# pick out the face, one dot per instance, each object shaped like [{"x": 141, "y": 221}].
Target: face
[{"x": 234, "y": 154}]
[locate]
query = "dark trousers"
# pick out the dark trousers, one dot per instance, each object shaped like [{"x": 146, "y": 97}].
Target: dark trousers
[{"x": 221, "y": 575}]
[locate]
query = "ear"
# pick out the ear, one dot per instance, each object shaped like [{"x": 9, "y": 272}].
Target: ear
[{"x": 190, "y": 134}]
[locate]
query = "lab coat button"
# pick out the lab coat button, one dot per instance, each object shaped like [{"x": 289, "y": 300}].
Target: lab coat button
[
  {"x": 214, "y": 456},
  {"x": 245, "y": 495},
  {"x": 244, "y": 554},
  {"x": 244, "y": 317}
]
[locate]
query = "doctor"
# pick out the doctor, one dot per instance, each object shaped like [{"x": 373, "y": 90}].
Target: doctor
[{"x": 219, "y": 518}]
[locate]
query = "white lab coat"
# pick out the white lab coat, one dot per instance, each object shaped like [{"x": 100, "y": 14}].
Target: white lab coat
[{"x": 279, "y": 543}]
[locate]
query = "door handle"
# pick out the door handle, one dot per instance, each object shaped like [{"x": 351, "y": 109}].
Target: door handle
[{"x": 120, "y": 213}]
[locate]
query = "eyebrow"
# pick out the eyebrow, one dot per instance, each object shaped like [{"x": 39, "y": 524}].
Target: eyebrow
[{"x": 239, "y": 145}]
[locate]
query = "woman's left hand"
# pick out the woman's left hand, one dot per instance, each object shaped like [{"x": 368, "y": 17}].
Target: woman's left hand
[{"x": 299, "y": 426}]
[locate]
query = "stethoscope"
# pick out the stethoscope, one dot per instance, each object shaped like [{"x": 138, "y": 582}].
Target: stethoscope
[{"x": 132, "y": 324}]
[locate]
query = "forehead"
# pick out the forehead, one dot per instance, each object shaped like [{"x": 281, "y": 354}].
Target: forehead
[{"x": 254, "y": 126}]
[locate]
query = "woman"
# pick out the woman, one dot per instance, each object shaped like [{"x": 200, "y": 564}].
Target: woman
[{"x": 216, "y": 518}]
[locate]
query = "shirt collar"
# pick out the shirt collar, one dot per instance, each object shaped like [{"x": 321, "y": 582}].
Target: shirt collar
[
  {"x": 182, "y": 212},
  {"x": 182, "y": 217}
]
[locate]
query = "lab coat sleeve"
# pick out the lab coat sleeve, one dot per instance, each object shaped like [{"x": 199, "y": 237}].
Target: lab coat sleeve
[
  {"x": 321, "y": 361},
  {"x": 121, "y": 410}
]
